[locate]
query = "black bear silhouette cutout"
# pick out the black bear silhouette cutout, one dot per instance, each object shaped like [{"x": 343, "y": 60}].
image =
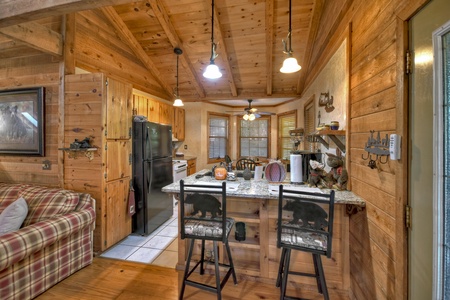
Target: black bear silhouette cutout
[
  {"x": 204, "y": 203},
  {"x": 308, "y": 213}
]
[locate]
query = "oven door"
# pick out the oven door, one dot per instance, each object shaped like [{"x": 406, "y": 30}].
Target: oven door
[{"x": 179, "y": 171}]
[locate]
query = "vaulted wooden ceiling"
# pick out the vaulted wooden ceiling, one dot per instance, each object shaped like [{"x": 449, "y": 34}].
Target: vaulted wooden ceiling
[{"x": 249, "y": 35}]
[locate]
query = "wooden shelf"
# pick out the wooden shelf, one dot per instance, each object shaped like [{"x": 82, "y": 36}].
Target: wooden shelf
[
  {"x": 333, "y": 135},
  {"x": 73, "y": 153}
]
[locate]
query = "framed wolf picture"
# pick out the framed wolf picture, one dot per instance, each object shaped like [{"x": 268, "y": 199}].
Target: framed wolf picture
[{"x": 22, "y": 121}]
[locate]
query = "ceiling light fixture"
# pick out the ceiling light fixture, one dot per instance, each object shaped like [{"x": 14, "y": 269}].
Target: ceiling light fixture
[
  {"x": 212, "y": 71},
  {"x": 177, "y": 101},
  {"x": 249, "y": 117},
  {"x": 290, "y": 64}
]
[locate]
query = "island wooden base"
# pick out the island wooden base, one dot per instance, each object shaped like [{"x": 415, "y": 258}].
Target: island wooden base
[{"x": 258, "y": 256}]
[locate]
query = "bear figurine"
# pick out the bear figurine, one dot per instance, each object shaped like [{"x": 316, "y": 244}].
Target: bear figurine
[
  {"x": 307, "y": 212},
  {"x": 338, "y": 173},
  {"x": 204, "y": 203}
]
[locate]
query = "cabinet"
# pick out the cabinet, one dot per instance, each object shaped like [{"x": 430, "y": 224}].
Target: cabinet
[
  {"x": 191, "y": 166},
  {"x": 178, "y": 123},
  {"x": 160, "y": 112},
  {"x": 101, "y": 109}
]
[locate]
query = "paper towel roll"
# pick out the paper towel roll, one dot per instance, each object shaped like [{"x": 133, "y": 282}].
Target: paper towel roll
[
  {"x": 258, "y": 172},
  {"x": 296, "y": 168}
]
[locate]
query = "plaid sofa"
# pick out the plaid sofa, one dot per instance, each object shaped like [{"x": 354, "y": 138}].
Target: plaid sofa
[{"x": 54, "y": 241}]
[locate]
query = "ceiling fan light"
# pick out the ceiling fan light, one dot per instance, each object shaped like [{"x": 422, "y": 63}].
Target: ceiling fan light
[
  {"x": 245, "y": 117},
  {"x": 290, "y": 65},
  {"x": 178, "y": 102},
  {"x": 212, "y": 71},
  {"x": 251, "y": 117}
]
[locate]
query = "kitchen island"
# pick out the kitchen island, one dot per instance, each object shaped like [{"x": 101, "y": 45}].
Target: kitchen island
[{"x": 254, "y": 202}]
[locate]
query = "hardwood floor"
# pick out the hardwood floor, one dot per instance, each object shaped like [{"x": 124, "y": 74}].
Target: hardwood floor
[{"x": 118, "y": 279}]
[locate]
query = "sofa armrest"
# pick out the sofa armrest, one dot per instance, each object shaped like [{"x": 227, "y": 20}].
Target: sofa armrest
[{"x": 17, "y": 245}]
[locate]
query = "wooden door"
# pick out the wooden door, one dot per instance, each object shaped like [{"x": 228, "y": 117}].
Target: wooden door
[
  {"x": 118, "y": 222},
  {"x": 119, "y": 110}
]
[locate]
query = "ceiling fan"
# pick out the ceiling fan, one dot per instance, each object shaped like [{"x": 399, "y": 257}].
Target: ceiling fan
[{"x": 250, "y": 113}]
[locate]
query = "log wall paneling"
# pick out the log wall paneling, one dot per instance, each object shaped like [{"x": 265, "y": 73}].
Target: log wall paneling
[{"x": 92, "y": 108}]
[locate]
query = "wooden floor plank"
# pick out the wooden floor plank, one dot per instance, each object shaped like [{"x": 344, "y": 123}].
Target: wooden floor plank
[{"x": 117, "y": 279}]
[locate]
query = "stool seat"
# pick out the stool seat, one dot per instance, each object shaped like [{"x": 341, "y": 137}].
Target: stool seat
[{"x": 206, "y": 228}]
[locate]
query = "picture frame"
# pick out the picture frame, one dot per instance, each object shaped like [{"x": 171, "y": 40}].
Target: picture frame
[{"x": 22, "y": 121}]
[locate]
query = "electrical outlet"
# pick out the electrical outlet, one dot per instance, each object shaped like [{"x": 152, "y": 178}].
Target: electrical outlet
[
  {"x": 46, "y": 165},
  {"x": 185, "y": 147}
]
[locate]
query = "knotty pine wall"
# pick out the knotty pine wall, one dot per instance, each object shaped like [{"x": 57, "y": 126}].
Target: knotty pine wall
[
  {"x": 34, "y": 69},
  {"x": 378, "y": 101}
]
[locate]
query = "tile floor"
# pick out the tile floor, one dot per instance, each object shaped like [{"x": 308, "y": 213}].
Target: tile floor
[{"x": 159, "y": 248}]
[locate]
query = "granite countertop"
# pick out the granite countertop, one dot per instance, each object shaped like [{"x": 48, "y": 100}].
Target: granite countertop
[{"x": 261, "y": 188}]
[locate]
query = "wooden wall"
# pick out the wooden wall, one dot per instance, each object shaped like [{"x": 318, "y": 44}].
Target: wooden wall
[
  {"x": 378, "y": 101},
  {"x": 33, "y": 69}
]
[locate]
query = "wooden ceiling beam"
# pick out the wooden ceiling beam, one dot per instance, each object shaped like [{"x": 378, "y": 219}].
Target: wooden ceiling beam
[
  {"x": 15, "y": 12},
  {"x": 269, "y": 45},
  {"x": 222, "y": 48},
  {"x": 36, "y": 36},
  {"x": 166, "y": 24},
  {"x": 129, "y": 38},
  {"x": 241, "y": 95}
]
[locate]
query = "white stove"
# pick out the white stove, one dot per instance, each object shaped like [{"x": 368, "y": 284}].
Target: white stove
[{"x": 179, "y": 169}]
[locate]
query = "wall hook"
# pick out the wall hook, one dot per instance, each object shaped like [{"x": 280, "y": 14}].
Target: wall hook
[{"x": 378, "y": 147}]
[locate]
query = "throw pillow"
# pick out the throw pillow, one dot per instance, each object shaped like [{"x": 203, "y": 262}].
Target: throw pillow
[{"x": 13, "y": 216}]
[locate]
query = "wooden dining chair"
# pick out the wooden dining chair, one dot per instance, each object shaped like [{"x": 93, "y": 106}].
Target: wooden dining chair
[{"x": 243, "y": 163}]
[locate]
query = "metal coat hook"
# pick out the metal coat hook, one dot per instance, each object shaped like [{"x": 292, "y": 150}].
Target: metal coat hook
[{"x": 378, "y": 147}]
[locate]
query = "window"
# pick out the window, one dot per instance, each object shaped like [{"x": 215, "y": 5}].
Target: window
[
  {"x": 217, "y": 137},
  {"x": 286, "y": 121},
  {"x": 254, "y": 137}
]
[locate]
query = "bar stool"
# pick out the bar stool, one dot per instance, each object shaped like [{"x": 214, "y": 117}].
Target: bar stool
[
  {"x": 215, "y": 227},
  {"x": 310, "y": 230}
]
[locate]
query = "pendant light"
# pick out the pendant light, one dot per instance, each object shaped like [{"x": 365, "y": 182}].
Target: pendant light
[
  {"x": 177, "y": 101},
  {"x": 290, "y": 64},
  {"x": 212, "y": 71}
]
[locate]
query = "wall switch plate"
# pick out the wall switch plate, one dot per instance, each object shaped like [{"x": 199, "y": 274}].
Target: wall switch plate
[{"x": 185, "y": 147}]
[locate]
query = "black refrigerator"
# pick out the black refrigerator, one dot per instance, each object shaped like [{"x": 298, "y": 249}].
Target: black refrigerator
[{"x": 152, "y": 170}]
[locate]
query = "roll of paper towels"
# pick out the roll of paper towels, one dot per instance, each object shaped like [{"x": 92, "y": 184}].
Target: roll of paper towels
[
  {"x": 258, "y": 172},
  {"x": 296, "y": 168}
]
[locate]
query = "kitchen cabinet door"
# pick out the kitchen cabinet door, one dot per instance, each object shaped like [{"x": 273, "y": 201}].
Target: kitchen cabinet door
[
  {"x": 118, "y": 222},
  {"x": 119, "y": 110},
  {"x": 178, "y": 123},
  {"x": 165, "y": 113},
  {"x": 118, "y": 163},
  {"x": 153, "y": 110}
]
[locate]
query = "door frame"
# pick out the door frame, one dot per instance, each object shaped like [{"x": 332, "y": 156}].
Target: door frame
[{"x": 438, "y": 157}]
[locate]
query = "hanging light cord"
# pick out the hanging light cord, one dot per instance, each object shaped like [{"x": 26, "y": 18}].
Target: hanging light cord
[
  {"x": 288, "y": 43},
  {"x": 213, "y": 45},
  {"x": 177, "y": 95}
]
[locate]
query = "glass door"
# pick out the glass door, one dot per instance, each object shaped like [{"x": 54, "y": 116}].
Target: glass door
[{"x": 441, "y": 45}]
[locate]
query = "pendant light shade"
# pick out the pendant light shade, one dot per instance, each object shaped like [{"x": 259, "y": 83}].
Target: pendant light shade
[
  {"x": 290, "y": 64},
  {"x": 212, "y": 71},
  {"x": 177, "y": 101}
]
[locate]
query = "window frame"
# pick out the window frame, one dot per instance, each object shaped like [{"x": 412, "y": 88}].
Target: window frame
[
  {"x": 268, "y": 137},
  {"x": 227, "y": 139},
  {"x": 280, "y": 131}
]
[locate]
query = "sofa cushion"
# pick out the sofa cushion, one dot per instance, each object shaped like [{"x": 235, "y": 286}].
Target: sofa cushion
[
  {"x": 44, "y": 202},
  {"x": 12, "y": 216}
]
